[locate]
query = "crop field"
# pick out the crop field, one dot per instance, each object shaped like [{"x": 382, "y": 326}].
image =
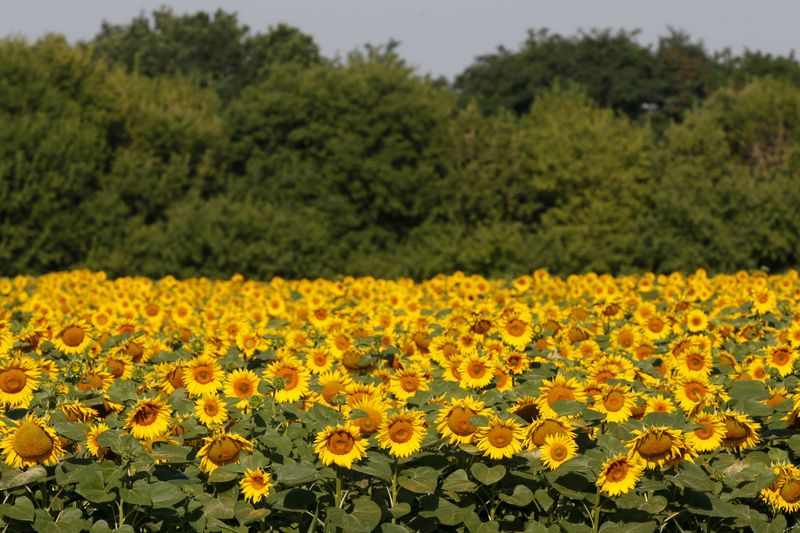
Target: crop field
[{"x": 460, "y": 403}]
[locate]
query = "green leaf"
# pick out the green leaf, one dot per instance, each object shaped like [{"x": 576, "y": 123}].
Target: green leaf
[
  {"x": 139, "y": 494},
  {"x": 165, "y": 495},
  {"x": 376, "y": 466},
  {"x": 400, "y": 509},
  {"x": 447, "y": 513},
  {"x": 458, "y": 481},
  {"x": 393, "y": 528},
  {"x": 291, "y": 474},
  {"x": 21, "y": 509},
  {"x": 365, "y": 516},
  {"x": 71, "y": 430},
  {"x": 122, "y": 391},
  {"x": 568, "y": 407},
  {"x": 216, "y": 508},
  {"x": 19, "y": 478},
  {"x": 101, "y": 526},
  {"x": 92, "y": 486},
  {"x": 521, "y": 497},
  {"x": 422, "y": 480},
  {"x": 691, "y": 476},
  {"x": 226, "y": 473},
  {"x": 488, "y": 527},
  {"x": 544, "y": 499},
  {"x": 487, "y": 475},
  {"x": 245, "y": 513}
]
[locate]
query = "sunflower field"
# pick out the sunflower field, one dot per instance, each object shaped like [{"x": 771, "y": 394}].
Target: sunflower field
[{"x": 460, "y": 403}]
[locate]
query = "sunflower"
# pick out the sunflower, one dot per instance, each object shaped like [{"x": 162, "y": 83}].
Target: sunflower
[
  {"x": 31, "y": 443},
  {"x": 78, "y": 412},
  {"x": 406, "y": 382},
  {"x": 500, "y": 438},
  {"x": 655, "y": 327},
  {"x": 709, "y": 436},
  {"x": 764, "y": 302},
  {"x": 241, "y": 384},
  {"x": 319, "y": 360},
  {"x": 616, "y": 402},
  {"x": 211, "y": 410},
  {"x": 515, "y": 327},
  {"x": 249, "y": 341},
  {"x": 696, "y": 321},
  {"x": 340, "y": 444},
  {"x": 538, "y": 431},
  {"x": 374, "y": 413},
  {"x": 782, "y": 358},
  {"x": 169, "y": 376},
  {"x": 149, "y": 418},
  {"x": 454, "y": 421},
  {"x": 694, "y": 363},
  {"x": 255, "y": 485},
  {"x": 656, "y": 446},
  {"x": 19, "y": 377},
  {"x": 295, "y": 378},
  {"x": 73, "y": 337},
  {"x": 119, "y": 365},
  {"x": 658, "y": 404},
  {"x": 740, "y": 431},
  {"x": 95, "y": 379},
  {"x": 692, "y": 394},
  {"x": 556, "y": 450},
  {"x": 476, "y": 372},
  {"x": 619, "y": 475},
  {"x": 202, "y": 375},
  {"x": 222, "y": 449},
  {"x": 92, "y": 444},
  {"x": 401, "y": 433},
  {"x": 525, "y": 407},
  {"x": 332, "y": 385},
  {"x": 784, "y": 493},
  {"x": 558, "y": 388}
]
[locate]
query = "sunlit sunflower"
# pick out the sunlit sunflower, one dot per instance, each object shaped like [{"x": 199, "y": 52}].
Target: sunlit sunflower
[
  {"x": 558, "y": 388},
  {"x": 249, "y": 341},
  {"x": 202, "y": 375},
  {"x": 740, "y": 431},
  {"x": 694, "y": 363},
  {"x": 211, "y": 410},
  {"x": 537, "y": 432},
  {"x": 340, "y": 444},
  {"x": 255, "y": 485},
  {"x": 92, "y": 444},
  {"x": 656, "y": 446},
  {"x": 222, "y": 449},
  {"x": 149, "y": 419},
  {"x": 764, "y": 302},
  {"x": 374, "y": 412},
  {"x": 556, "y": 450},
  {"x": 19, "y": 377},
  {"x": 659, "y": 404},
  {"x": 78, "y": 412},
  {"x": 708, "y": 437},
  {"x": 619, "y": 475},
  {"x": 696, "y": 321},
  {"x": 241, "y": 384},
  {"x": 454, "y": 421},
  {"x": 294, "y": 376},
  {"x": 515, "y": 327},
  {"x": 333, "y": 387},
  {"x": 401, "y": 433},
  {"x": 406, "y": 382},
  {"x": 476, "y": 372},
  {"x": 319, "y": 360},
  {"x": 31, "y": 442},
  {"x": 95, "y": 379},
  {"x": 784, "y": 493},
  {"x": 72, "y": 337},
  {"x": 119, "y": 365},
  {"x": 500, "y": 438},
  {"x": 616, "y": 402},
  {"x": 169, "y": 376},
  {"x": 782, "y": 358},
  {"x": 693, "y": 394}
]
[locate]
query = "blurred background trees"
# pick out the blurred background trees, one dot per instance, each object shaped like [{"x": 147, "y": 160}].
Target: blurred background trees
[{"x": 188, "y": 144}]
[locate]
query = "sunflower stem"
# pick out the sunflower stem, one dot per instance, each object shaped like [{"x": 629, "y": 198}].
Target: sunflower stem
[
  {"x": 596, "y": 519},
  {"x": 395, "y": 468},
  {"x": 338, "y": 497}
]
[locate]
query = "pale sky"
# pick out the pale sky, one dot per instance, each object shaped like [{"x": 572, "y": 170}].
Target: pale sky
[{"x": 441, "y": 37}]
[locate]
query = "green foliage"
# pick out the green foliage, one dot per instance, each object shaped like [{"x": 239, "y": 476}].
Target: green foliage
[{"x": 143, "y": 153}]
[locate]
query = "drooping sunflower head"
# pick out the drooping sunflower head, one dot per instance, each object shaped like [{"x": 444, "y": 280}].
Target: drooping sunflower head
[
  {"x": 340, "y": 444},
  {"x": 401, "y": 433},
  {"x": 78, "y": 412},
  {"x": 740, "y": 431},
  {"x": 454, "y": 421},
  {"x": 538, "y": 431},
  {"x": 222, "y": 449},
  {"x": 500, "y": 438},
  {"x": 556, "y": 450},
  {"x": 525, "y": 407},
  {"x": 149, "y": 418},
  {"x": 784, "y": 493},
  {"x": 619, "y": 475},
  {"x": 656, "y": 446},
  {"x": 32, "y": 442}
]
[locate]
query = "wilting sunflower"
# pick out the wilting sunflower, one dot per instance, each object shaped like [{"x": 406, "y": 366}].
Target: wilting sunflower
[
  {"x": 202, "y": 375},
  {"x": 619, "y": 475},
  {"x": 656, "y": 446},
  {"x": 241, "y": 384},
  {"x": 149, "y": 419},
  {"x": 406, "y": 382},
  {"x": 616, "y": 402},
  {"x": 401, "y": 433},
  {"x": 476, "y": 372},
  {"x": 740, "y": 431},
  {"x": 31, "y": 443},
  {"x": 72, "y": 337},
  {"x": 374, "y": 413},
  {"x": 558, "y": 388},
  {"x": 556, "y": 450},
  {"x": 340, "y": 444},
  {"x": 211, "y": 410},
  {"x": 453, "y": 421},
  {"x": 255, "y": 485},
  {"x": 295, "y": 377},
  {"x": 784, "y": 493},
  {"x": 19, "y": 377},
  {"x": 709, "y": 436},
  {"x": 222, "y": 449},
  {"x": 500, "y": 438},
  {"x": 538, "y": 431},
  {"x": 92, "y": 444}
]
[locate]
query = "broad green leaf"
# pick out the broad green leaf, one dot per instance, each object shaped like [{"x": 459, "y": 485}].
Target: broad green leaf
[
  {"x": 165, "y": 495},
  {"x": 122, "y": 391},
  {"x": 292, "y": 474},
  {"x": 71, "y": 430},
  {"x": 17, "y": 478},
  {"x": 447, "y": 513},
  {"x": 21, "y": 509},
  {"x": 488, "y": 475},
  {"x": 691, "y": 476},
  {"x": 458, "y": 482},
  {"x": 521, "y": 497},
  {"x": 226, "y": 473},
  {"x": 138, "y": 494},
  {"x": 422, "y": 480},
  {"x": 365, "y": 516}
]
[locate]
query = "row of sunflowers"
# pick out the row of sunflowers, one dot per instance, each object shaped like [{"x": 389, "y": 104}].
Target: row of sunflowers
[{"x": 591, "y": 403}]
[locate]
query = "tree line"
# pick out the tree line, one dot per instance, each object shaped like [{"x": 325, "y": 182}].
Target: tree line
[{"x": 191, "y": 145}]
